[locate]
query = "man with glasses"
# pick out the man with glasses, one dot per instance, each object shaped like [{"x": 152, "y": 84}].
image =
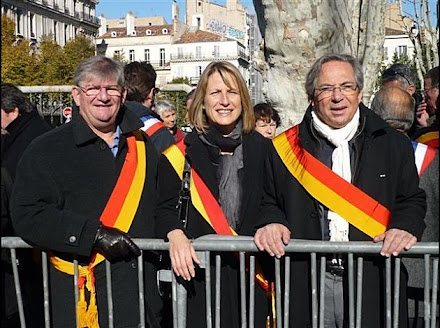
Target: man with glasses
[
  {"x": 82, "y": 192},
  {"x": 341, "y": 175}
]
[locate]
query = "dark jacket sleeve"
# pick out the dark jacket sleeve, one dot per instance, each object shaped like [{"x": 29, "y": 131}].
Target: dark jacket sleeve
[
  {"x": 167, "y": 214},
  {"x": 162, "y": 139},
  {"x": 271, "y": 205},
  {"x": 409, "y": 207},
  {"x": 38, "y": 212}
]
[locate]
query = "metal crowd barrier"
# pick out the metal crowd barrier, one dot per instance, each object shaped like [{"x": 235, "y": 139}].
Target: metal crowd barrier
[{"x": 220, "y": 244}]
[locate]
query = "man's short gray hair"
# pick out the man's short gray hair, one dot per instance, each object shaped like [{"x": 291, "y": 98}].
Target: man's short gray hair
[
  {"x": 315, "y": 71},
  {"x": 100, "y": 67}
]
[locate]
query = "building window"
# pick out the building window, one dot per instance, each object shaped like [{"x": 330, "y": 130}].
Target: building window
[
  {"x": 385, "y": 53},
  {"x": 198, "y": 52},
  {"x": 18, "y": 24},
  {"x": 147, "y": 55},
  {"x": 162, "y": 57},
  {"x": 198, "y": 71},
  {"x": 180, "y": 52},
  {"x": 131, "y": 56},
  {"x": 55, "y": 31},
  {"x": 402, "y": 50},
  {"x": 198, "y": 22},
  {"x": 216, "y": 51},
  {"x": 32, "y": 25}
]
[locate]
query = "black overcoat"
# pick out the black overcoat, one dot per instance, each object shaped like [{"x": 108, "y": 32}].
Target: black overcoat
[
  {"x": 255, "y": 148},
  {"x": 62, "y": 185},
  {"x": 385, "y": 170}
]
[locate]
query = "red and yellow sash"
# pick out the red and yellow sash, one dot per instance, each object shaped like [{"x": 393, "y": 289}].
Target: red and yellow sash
[
  {"x": 203, "y": 200},
  {"x": 118, "y": 213},
  {"x": 340, "y": 196},
  {"x": 429, "y": 138}
]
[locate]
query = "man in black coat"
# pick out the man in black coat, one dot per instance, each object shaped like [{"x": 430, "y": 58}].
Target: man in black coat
[
  {"x": 82, "y": 192},
  {"x": 362, "y": 153},
  {"x": 140, "y": 80},
  {"x": 21, "y": 124}
]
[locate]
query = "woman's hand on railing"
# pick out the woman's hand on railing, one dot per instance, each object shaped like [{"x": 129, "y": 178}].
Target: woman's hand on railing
[
  {"x": 272, "y": 238},
  {"x": 182, "y": 254},
  {"x": 394, "y": 241}
]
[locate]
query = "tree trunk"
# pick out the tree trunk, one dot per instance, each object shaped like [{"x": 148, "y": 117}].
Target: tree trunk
[{"x": 297, "y": 32}]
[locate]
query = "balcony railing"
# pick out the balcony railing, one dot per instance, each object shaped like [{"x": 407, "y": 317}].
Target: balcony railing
[{"x": 190, "y": 56}]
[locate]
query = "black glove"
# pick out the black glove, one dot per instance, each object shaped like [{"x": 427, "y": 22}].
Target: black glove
[{"x": 115, "y": 245}]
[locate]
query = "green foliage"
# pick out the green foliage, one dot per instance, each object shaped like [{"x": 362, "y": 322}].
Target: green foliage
[
  {"x": 50, "y": 65},
  {"x": 178, "y": 98}
]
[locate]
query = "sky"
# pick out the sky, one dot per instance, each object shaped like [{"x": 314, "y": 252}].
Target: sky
[{"x": 146, "y": 8}]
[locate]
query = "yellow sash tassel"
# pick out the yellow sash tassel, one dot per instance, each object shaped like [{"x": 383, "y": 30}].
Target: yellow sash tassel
[
  {"x": 81, "y": 309},
  {"x": 92, "y": 312},
  {"x": 87, "y": 317}
]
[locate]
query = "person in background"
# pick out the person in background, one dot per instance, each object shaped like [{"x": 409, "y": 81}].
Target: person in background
[
  {"x": 395, "y": 107},
  {"x": 140, "y": 81},
  {"x": 167, "y": 112},
  {"x": 401, "y": 76},
  {"x": 21, "y": 124},
  {"x": 266, "y": 120},
  {"x": 227, "y": 155},
  {"x": 189, "y": 99},
  {"x": 427, "y": 112},
  {"x": 342, "y": 149},
  {"x": 70, "y": 190}
]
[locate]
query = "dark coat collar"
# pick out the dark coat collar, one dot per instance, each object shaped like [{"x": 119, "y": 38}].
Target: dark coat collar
[
  {"x": 127, "y": 120},
  {"x": 141, "y": 110}
]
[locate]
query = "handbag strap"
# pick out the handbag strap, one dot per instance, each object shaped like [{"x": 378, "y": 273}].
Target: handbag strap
[{"x": 184, "y": 194}]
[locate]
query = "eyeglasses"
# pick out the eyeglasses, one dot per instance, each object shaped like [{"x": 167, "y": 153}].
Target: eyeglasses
[
  {"x": 390, "y": 73},
  {"x": 346, "y": 89},
  {"x": 94, "y": 90}
]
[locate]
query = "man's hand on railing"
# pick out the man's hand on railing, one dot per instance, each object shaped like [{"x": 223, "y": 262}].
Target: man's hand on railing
[
  {"x": 182, "y": 254},
  {"x": 394, "y": 241},
  {"x": 272, "y": 238},
  {"x": 115, "y": 245}
]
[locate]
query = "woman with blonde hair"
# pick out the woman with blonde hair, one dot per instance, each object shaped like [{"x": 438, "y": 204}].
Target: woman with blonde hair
[{"x": 225, "y": 152}]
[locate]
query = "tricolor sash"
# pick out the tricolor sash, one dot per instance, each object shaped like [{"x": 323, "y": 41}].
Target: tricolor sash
[
  {"x": 423, "y": 155},
  {"x": 340, "y": 196},
  {"x": 203, "y": 199},
  {"x": 118, "y": 213},
  {"x": 151, "y": 125},
  {"x": 429, "y": 138}
]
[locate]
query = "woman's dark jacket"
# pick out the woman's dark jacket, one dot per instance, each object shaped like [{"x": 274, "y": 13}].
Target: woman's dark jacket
[
  {"x": 63, "y": 183},
  {"x": 384, "y": 169},
  {"x": 255, "y": 148}
]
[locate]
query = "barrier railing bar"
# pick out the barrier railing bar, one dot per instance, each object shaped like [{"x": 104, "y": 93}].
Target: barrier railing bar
[
  {"x": 243, "y": 290},
  {"x": 360, "y": 275},
  {"x": 426, "y": 290},
  {"x": 388, "y": 291},
  {"x": 218, "y": 262},
  {"x": 251, "y": 291},
  {"x": 75, "y": 288},
  {"x": 108, "y": 275},
  {"x": 140, "y": 264},
  {"x": 314, "y": 291},
  {"x": 322, "y": 292},
  {"x": 396, "y": 292},
  {"x": 434, "y": 292},
  {"x": 17, "y": 287},
  {"x": 286, "y": 292},
  {"x": 350, "y": 291},
  {"x": 174, "y": 300},
  {"x": 44, "y": 268},
  {"x": 278, "y": 292},
  {"x": 208, "y": 290}
]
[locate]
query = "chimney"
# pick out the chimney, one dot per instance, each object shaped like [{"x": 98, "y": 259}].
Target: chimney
[
  {"x": 130, "y": 23},
  {"x": 103, "y": 28},
  {"x": 175, "y": 14}
]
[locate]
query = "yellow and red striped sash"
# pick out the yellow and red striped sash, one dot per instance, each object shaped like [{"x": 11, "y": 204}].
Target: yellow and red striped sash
[
  {"x": 340, "y": 196},
  {"x": 429, "y": 138},
  {"x": 203, "y": 199},
  {"x": 118, "y": 213}
]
